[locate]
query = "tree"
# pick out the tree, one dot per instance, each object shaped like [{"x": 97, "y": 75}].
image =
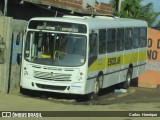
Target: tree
[
  {"x": 158, "y": 24},
  {"x": 134, "y": 9},
  {"x": 147, "y": 13}
]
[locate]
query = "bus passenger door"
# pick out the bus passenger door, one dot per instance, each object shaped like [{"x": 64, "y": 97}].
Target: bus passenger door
[
  {"x": 92, "y": 61},
  {"x": 93, "y": 51}
]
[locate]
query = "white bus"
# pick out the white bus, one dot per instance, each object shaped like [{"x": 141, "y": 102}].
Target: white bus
[{"x": 81, "y": 55}]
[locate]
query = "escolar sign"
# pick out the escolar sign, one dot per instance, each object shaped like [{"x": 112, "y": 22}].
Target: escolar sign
[{"x": 114, "y": 61}]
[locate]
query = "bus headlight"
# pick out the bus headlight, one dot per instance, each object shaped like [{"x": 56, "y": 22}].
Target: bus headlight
[
  {"x": 25, "y": 73},
  {"x": 79, "y": 77}
]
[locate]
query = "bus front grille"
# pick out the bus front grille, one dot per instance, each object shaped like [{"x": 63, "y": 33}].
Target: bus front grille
[
  {"x": 51, "y": 87},
  {"x": 52, "y": 76}
]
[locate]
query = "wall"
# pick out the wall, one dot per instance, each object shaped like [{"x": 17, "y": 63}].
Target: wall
[
  {"x": 5, "y": 46},
  {"x": 151, "y": 77},
  {"x": 9, "y": 70},
  {"x": 19, "y": 27},
  {"x": 79, "y": 6}
]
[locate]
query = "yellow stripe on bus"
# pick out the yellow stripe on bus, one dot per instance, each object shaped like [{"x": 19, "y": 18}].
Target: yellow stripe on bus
[{"x": 118, "y": 60}]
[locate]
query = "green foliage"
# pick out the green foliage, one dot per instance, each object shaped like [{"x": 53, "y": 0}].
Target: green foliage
[
  {"x": 130, "y": 8},
  {"x": 158, "y": 24},
  {"x": 134, "y": 9},
  {"x": 115, "y": 7}
]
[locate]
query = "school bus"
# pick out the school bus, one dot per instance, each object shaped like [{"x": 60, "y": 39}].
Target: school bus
[{"x": 81, "y": 55}]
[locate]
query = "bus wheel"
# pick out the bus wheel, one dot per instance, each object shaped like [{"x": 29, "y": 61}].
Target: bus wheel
[
  {"x": 97, "y": 86},
  {"x": 126, "y": 84},
  {"x": 26, "y": 92},
  {"x": 23, "y": 91}
]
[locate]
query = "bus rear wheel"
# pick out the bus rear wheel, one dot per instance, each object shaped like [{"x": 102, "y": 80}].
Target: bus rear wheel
[{"x": 126, "y": 84}]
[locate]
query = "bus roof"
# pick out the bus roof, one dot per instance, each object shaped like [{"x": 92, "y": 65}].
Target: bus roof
[{"x": 98, "y": 22}]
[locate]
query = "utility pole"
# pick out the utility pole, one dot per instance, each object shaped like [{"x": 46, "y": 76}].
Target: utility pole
[
  {"x": 119, "y": 5},
  {"x": 5, "y": 7}
]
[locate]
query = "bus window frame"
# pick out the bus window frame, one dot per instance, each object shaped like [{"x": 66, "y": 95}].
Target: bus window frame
[
  {"x": 127, "y": 38},
  {"x": 122, "y": 40},
  {"x": 136, "y": 45},
  {"x": 93, "y": 57},
  {"x": 111, "y": 40},
  {"x": 104, "y": 43},
  {"x": 143, "y": 38}
]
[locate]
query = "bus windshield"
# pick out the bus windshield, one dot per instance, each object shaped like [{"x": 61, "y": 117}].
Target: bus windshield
[{"x": 55, "y": 49}]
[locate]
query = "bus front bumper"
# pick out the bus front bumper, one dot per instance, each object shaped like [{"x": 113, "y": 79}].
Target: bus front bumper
[{"x": 58, "y": 87}]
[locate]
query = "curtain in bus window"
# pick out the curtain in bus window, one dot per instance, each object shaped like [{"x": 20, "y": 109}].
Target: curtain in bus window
[
  {"x": 111, "y": 34},
  {"x": 128, "y": 38},
  {"x": 143, "y": 37},
  {"x": 120, "y": 40},
  {"x": 136, "y": 37}
]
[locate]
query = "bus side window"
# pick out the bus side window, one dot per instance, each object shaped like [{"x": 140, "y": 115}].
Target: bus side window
[
  {"x": 102, "y": 41},
  {"x": 143, "y": 37},
  {"x": 111, "y": 35},
  {"x": 136, "y": 38},
  {"x": 120, "y": 40},
  {"x": 128, "y": 38},
  {"x": 92, "y": 48}
]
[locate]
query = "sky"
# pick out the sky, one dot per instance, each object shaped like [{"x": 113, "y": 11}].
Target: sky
[{"x": 156, "y": 4}]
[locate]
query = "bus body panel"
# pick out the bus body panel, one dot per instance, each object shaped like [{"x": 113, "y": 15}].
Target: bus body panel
[
  {"x": 113, "y": 66},
  {"x": 39, "y": 77}
]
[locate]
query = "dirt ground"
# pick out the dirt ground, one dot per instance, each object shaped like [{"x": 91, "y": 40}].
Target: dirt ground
[{"x": 135, "y": 99}]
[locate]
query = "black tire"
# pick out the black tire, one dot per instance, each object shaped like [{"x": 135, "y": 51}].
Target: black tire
[
  {"x": 24, "y": 91},
  {"x": 126, "y": 84}
]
